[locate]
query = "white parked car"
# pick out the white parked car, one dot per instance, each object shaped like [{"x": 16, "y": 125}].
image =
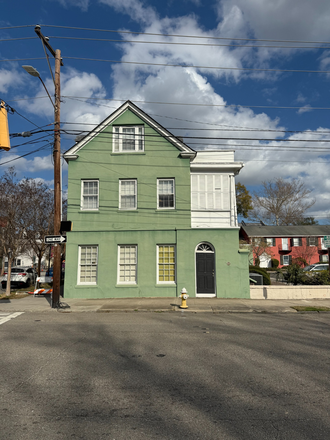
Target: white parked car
[
  {"x": 21, "y": 276},
  {"x": 316, "y": 267}
]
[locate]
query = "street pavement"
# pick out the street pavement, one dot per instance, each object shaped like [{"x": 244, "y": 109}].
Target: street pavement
[
  {"x": 165, "y": 376},
  {"x": 195, "y": 305}
]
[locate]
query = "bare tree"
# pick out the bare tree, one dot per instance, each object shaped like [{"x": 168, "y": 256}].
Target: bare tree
[
  {"x": 306, "y": 252},
  {"x": 13, "y": 205},
  {"x": 39, "y": 218},
  {"x": 282, "y": 202}
]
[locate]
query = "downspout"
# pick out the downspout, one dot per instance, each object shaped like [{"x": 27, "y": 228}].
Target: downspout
[{"x": 176, "y": 266}]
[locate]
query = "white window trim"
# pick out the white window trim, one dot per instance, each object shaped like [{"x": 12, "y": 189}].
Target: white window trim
[
  {"x": 286, "y": 257},
  {"x": 166, "y": 207},
  {"x": 82, "y": 195},
  {"x": 81, "y": 283},
  {"x": 172, "y": 283},
  {"x": 135, "y": 194},
  {"x": 118, "y": 265},
  {"x": 117, "y": 138}
]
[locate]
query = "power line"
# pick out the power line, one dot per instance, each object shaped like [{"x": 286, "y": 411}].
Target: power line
[
  {"x": 185, "y": 36},
  {"x": 24, "y": 155},
  {"x": 108, "y": 40},
  {"x": 16, "y": 27},
  {"x": 124, "y": 136},
  {"x": 245, "y": 69},
  {"x": 15, "y": 39},
  {"x": 77, "y": 98},
  {"x": 186, "y": 66},
  {"x": 229, "y": 128},
  {"x": 86, "y": 98}
]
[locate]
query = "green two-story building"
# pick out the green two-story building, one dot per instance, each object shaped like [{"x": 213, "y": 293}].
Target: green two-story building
[{"x": 150, "y": 215}]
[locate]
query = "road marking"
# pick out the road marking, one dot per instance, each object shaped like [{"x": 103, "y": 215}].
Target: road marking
[{"x": 5, "y": 317}]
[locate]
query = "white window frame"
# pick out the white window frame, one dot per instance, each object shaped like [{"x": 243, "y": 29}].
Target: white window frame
[
  {"x": 158, "y": 193},
  {"x": 286, "y": 257},
  {"x": 82, "y": 200},
  {"x": 126, "y": 264},
  {"x": 158, "y": 264},
  {"x": 118, "y": 138},
  {"x": 121, "y": 207},
  {"x": 95, "y": 264}
]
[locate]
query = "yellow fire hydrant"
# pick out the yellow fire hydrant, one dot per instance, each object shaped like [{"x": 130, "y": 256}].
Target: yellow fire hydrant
[{"x": 184, "y": 296}]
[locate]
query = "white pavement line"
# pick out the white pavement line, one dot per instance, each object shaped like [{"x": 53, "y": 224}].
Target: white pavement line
[{"x": 9, "y": 317}]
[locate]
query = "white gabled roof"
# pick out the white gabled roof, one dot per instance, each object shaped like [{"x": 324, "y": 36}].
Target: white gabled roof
[{"x": 186, "y": 151}]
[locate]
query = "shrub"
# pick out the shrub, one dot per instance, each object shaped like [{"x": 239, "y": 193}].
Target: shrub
[
  {"x": 263, "y": 272},
  {"x": 275, "y": 263},
  {"x": 316, "y": 279},
  {"x": 294, "y": 274}
]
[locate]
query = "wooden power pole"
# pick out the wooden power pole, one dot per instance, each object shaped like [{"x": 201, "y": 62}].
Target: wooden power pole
[{"x": 57, "y": 168}]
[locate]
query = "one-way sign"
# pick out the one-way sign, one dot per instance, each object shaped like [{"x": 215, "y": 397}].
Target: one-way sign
[{"x": 49, "y": 239}]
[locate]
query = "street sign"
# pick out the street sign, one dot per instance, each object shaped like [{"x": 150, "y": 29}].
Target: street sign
[
  {"x": 326, "y": 241},
  {"x": 50, "y": 239}
]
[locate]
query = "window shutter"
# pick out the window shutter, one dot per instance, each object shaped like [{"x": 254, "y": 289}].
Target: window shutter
[
  {"x": 300, "y": 241},
  {"x": 281, "y": 259},
  {"x": 290, "y": 259},
  {"x": 225, "y": 193}
]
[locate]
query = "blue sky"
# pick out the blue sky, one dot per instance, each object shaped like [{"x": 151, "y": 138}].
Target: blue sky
[{"x": 236, "y": 74}]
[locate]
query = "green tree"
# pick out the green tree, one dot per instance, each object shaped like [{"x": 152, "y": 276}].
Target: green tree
[
  {"x": 243, "y": 200},
  {"x": 307, "y": 221}
]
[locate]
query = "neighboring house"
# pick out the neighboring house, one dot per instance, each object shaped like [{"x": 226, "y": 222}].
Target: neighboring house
[
  {"x": 25, "y": 260},
  {"x": 285, "y": 243},
  {"x": 149, "y": 215}
]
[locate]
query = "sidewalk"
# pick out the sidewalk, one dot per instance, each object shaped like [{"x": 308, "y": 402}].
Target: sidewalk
[{"x": 195, "y": 305}]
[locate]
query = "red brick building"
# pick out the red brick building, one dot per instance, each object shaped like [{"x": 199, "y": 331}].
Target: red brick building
[{"x": 286, "y": 243}]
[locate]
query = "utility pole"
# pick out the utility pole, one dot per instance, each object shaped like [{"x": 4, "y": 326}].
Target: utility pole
[{"x": 57, "y": 167}]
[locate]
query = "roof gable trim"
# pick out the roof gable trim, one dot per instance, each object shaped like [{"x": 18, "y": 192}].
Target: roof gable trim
[{"x": 128, "y": 105}]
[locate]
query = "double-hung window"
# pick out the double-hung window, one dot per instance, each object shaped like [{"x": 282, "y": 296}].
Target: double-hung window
[
  {"x": 166, "y": 195},
  {"x": 296, "y": 241},
  {"x": 87, "y": 270},
  {"x": 128, "y": 139},
  {"x": 312, "y": 241},
  {"x": 128, "y": 194},
  {"x": 90, "y": 195},
  {"x": 166, "y": 264},
  {"x": 127, "y": 264}
]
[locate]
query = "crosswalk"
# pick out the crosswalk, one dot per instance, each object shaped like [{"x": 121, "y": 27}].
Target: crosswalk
[{"x": 5, "y": 317}]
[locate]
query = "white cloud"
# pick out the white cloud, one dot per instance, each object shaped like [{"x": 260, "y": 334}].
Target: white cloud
[
  {"x": 9, "y": 79},
  {"x": 304, "y": 109},
  {"x": 134, "y": 8},
  {"x": 292, "y": 19},
  {"x": 22, "y": 165},
  {"x": 82, "y": 4},
  {"x": 82, "y": 85}
]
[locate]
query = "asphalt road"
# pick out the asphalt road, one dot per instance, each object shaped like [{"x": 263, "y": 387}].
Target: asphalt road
[{"x": 165, "y": 376}]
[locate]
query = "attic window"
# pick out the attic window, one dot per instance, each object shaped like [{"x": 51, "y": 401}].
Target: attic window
[{"x": 128, "y": 139}]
